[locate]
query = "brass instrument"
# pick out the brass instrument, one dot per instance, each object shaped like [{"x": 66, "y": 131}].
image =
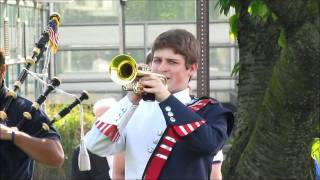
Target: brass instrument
[{"x": 124, "y": 70}]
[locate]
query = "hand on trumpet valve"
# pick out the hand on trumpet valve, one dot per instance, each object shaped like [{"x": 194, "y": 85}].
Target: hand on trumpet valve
[
  {"x": 154, "y": 84},
  {"x": 149, "y": 83}
]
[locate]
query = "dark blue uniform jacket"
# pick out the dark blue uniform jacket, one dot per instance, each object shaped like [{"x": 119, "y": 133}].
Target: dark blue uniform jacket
[{"x": 191, "y": 157}]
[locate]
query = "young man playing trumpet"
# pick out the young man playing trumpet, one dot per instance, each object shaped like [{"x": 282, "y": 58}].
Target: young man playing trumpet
[
  {"x": 174, "y": 137},
  {"x": 18, "y": 149}
]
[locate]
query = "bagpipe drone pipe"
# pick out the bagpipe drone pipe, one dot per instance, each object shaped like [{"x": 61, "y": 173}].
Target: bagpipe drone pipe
[{"x": 65, "y": 111}]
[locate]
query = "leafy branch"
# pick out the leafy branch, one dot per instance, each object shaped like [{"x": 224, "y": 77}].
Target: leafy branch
[{"x": 256, "y": 9}]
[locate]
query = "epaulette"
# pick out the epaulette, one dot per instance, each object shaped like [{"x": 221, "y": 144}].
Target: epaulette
[{"x": 207, "y": 99}]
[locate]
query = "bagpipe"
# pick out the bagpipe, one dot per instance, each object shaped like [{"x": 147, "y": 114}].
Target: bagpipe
[
  {"x": 27, "y": 116},
  {"x": 49, "y": 38}
]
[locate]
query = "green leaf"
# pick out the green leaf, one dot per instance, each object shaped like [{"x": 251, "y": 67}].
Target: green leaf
[
  {"x": 258, "y": 8},
  {"x": 262, "y": 10},
  {"x": 282, "y": 39},
  {"x": 225, "y": 5},
  {"x": 315, "y": 149},
  {"x": 235, "y": 69},
  {"x": 274, "y": 16},
  {"x": 233, "y": 22},
  {"x": 252, "y": 8}
]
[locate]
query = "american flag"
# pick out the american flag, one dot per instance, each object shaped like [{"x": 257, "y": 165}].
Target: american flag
[{"x": 53, "y": 36}]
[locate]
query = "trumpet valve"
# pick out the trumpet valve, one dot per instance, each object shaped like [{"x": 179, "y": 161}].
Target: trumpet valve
[{"x": 137, "y": 87}]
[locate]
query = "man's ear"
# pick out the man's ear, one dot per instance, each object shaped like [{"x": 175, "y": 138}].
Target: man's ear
[
  {"x": 193, "y": 69},
  {"x": 2, "y": 70}
]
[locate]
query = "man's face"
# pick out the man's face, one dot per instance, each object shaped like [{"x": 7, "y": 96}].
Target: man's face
[{"x": 173, "y": 66}]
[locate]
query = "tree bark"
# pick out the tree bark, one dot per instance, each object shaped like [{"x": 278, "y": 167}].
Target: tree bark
[{"x": 278, "y": 110}]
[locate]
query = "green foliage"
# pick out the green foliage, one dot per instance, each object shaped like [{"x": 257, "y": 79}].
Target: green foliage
[
  {"x": 235, "y": 70},
  {"x": 315, "y": 149},
  {"x": 274, "y": 17},
  {"x": 225, "y": 6},
  {"x": 258, "y": 8},
  {"x": 233, "y": 22},
  {"x": 69, "y": 130},
  {"x": 282, "y": 39}
]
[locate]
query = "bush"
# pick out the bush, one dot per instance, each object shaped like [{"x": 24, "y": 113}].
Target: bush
[{"x": 69, "y": 130}]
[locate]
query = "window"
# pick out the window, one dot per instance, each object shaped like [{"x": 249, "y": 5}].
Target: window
[{"x": 90, "y": 61}]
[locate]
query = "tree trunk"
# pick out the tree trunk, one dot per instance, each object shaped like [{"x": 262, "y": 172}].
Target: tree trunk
[{"x": 278, "y": 110}]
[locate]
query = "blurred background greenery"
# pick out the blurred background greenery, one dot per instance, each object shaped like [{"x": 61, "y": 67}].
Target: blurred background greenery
[{"x": 69, "y": 130}]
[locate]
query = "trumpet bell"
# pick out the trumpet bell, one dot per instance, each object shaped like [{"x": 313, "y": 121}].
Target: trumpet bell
[{"x": 123, "y": 69}]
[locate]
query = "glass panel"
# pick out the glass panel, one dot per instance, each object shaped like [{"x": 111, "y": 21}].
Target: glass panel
[
  {"x": 77, "y": 12},
  {"x": 164, "y": 10},
  {"x": 137, "y": 54},
  {"x": 135, "y": 35},
  {"x": 155, "y": 29},
  {"x": 76, "y": 61},
  {"x": 219, "y": 33},
  {"x": 220, "y": 61},
  {"x": 102, "y": 35},
  {"x": 98, "y": 11},
  {"x": 83, "y": 60},
  {"x": 83, "y": 36}
]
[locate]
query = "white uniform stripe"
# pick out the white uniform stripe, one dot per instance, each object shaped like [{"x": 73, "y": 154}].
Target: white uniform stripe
[
  {"x": 103, "y": 126},
  {"x": 106, "y": 129},
  {"x": 183, "y": 130},
  {"x": 98, "y": 123},
  {"x": 168, "y": 148},
  {"x": 116, "y": 137},
  {"x": 170, "y": 139},
  {"x": 161, "y": 156},
  {"x": 190, "y": 127},
  {"x": 197, "y": 124}
]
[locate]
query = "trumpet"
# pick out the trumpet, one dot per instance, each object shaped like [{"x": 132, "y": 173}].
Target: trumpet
[{"x": 124, "y": 70}]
